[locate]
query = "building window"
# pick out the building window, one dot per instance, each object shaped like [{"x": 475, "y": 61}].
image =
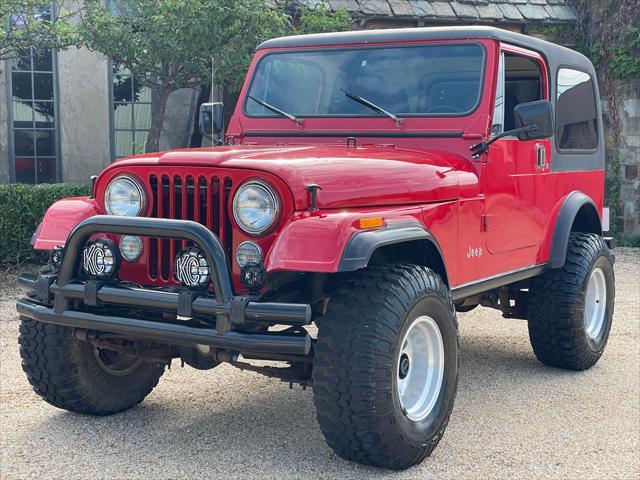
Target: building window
[
  {"x": 132, "y": 107},
  {"x": 33, "y": 115},
  {"x": 576, "y": 112}
]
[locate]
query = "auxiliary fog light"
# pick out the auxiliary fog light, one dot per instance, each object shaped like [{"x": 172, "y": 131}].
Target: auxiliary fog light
[
  {"x": 100, "y": 258},
  {"x": 191, "y": 267},
  {"x": 248, "y": 253},
  {"x": 130, "y": 247}
]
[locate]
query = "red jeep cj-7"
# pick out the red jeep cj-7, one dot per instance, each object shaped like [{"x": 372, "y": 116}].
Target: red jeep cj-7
[{"x": 372, "y": 183}]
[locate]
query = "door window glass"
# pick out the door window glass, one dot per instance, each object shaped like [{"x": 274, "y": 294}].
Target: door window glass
[{"x": 522, "y": 84}]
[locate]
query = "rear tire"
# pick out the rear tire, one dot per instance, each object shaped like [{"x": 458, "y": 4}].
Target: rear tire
[
  {"x": 366, "y": 366},
  {"x": 75, "y": 376},
  {"x": 571, "y": 308}
]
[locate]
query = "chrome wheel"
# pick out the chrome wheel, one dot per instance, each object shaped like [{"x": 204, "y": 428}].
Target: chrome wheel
[
  {"x": 595, "y": 303},
  {"x": 420, "y": 368}
]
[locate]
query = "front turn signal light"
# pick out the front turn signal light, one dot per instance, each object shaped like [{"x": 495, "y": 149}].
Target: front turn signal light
[{"x": 373, "y": 222}]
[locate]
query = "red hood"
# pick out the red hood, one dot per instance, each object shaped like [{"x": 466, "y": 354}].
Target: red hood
[{"x": 348, "y": 177}]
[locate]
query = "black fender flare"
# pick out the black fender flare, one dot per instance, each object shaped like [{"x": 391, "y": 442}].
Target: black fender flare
[
  {"x": 362, "y": 244},
  {"x": 564, "y": 222}
]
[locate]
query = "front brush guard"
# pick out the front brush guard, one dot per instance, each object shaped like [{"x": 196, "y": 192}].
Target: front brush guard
[{"x": 53, "y": 293}]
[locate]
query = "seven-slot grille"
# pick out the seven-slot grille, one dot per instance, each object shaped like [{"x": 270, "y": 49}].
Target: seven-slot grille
[{"x": 203, "y": 199}]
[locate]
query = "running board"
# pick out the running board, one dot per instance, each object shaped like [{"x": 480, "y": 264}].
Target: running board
[{"x": 481, "y": 286}]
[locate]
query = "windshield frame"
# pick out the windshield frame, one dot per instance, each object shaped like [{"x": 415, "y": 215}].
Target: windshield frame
[{"x": 481, "y": 85}]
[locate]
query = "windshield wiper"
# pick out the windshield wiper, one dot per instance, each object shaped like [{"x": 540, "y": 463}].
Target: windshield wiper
[
  {"x": 282, "y": 113},
  {"x": 399, "y": 121}
]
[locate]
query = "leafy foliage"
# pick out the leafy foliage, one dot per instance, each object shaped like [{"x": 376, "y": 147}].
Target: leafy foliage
[
  {"x": 26, "y": 24},
  {"x": 170, "y": 44},
  {"x": 613, "y": 190},
  {"x": 322, "y": 20},
  {"x": 21, "y": 210},
  {"x": 630, "y": 241},
  {"x": 609, "y": 34},
  {"x": 625, "y": 60}
]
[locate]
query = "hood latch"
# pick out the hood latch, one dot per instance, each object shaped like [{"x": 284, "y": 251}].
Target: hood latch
[{"x": 313, "y": 194}]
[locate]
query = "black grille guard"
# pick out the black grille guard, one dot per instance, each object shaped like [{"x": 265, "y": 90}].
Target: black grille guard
[{"x": 53, "y": 293}]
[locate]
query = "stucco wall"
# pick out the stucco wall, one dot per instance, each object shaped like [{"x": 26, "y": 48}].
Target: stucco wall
[
  {"x": 83, "y": 102},
  {"x": 4, "y": 127}
]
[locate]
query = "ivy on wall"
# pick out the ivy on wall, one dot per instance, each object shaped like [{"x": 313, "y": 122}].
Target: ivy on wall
[
  {"x": 613, "y": 190},
  {"x": 608, "y": 32},
  {"x": 625, "y": 58}
]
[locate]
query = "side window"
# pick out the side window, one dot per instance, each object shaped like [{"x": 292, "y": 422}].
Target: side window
[
  {"x": 576, "y": 113},
  {"x": 522, "y": 84}
]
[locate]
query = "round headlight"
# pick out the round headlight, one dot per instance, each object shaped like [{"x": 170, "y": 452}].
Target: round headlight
[
  {"x": 248, "y": 253},
  {"x": 255, "y": 207},
  {"x": 124, "y": 196},
  {"x": 130, "y": 247}
]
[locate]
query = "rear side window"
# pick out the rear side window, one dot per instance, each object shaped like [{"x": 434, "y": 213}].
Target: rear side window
[{"x": 576, "y": 112}]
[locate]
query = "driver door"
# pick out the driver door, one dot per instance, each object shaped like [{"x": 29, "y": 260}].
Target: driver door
[{"x": 513, "y": 217}]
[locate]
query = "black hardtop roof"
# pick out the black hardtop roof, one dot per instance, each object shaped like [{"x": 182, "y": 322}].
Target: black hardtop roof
[{"x": 555, "y": 54}]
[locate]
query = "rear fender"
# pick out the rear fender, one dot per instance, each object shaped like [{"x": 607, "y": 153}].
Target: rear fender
[
  {"x": 577, "y": 212},
  {"x": 60, "y": 219}
]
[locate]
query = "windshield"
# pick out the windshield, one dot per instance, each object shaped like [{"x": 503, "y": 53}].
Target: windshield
[{"x": 404, "y": 81}]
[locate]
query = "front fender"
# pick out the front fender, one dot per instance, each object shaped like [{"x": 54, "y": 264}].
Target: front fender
[
  {"x": 60, "y": 219},
  {"x": 315, "y": 242}
]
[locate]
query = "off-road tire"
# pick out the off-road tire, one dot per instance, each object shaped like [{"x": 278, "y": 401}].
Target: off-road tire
[
  {"x": 355, "y": 365},
  {"x": 557, "y": 302},
  {"x": 65, "y": 372}
]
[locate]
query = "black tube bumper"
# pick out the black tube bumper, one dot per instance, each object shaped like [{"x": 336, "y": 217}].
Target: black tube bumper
[
  {"x": 173, "y": 333},
  {"x": 223, "y": 316}
]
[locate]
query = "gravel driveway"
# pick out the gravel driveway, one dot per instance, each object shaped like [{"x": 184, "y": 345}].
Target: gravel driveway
[{"x": 513, "y": 418}]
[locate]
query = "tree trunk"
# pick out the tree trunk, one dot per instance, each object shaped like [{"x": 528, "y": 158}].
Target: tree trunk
[
  {"x": 157, "y": 120},
  {"x": 196, "y": 136}
]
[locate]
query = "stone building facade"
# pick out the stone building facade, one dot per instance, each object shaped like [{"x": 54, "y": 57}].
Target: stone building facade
[
  {"x": 628, "y": 94},
  {"x": 97, "y": 116}
]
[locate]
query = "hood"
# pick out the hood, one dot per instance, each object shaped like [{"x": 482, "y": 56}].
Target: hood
[{"x": 348, "y": 177}]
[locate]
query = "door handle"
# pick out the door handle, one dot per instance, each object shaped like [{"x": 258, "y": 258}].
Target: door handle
[{"x": 541, "y": 157}]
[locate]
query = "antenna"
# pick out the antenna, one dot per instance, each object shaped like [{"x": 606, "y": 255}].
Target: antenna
[{"x": 211, "y": 97}]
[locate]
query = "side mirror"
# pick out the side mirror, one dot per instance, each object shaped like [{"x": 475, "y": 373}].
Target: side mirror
[
  {"x": 210, "y": 119},
  {"x": 538, "y": 114}
]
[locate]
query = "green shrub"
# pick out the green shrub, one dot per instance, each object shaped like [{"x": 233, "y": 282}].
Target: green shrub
[
  {"x": 21, "y": 210},
  {"x": 629, "y": 241}
]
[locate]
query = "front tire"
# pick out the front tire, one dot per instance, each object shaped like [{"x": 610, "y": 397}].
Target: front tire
[
  {"x": 75, "y": 376},
  {"x": 571, "y": 309},
  {"x": 386, "y": 366}
]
